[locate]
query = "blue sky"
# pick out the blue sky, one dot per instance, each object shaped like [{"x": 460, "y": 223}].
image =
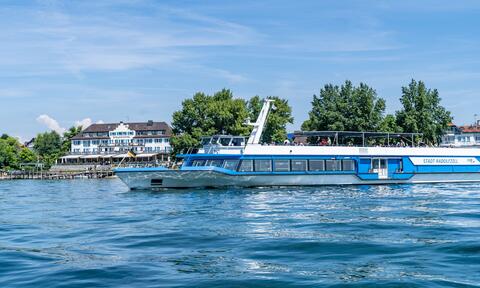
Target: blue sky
[{"x": 65, "y": 62}]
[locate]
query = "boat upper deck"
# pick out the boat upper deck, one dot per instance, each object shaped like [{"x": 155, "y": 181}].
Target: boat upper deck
[{"x": 333, "y": 143}]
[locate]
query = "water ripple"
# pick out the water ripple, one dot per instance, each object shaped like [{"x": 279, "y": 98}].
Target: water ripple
[{"x": 96, "y": 233}]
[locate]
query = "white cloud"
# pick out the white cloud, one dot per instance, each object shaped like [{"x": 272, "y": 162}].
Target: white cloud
[
  {"x": 84, "y": 123},
  {"x": 51, "y": 123}
]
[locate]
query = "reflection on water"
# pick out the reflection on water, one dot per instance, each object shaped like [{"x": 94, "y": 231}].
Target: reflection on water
[{"x": 97, "y": 233}]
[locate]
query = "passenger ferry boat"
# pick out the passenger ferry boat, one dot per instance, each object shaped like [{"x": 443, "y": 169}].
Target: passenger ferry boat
[{"x": 235, "y": 161}]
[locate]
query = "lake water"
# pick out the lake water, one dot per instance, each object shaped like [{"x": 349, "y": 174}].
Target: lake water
[{"x": 97, "y": 233}]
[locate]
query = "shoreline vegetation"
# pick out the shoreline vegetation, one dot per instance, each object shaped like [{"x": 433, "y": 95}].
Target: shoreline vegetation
[{"x": 335, "y": 108}]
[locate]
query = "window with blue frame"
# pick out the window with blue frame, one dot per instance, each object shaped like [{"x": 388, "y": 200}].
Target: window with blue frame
[
  {"x": 231, "y": 164},
  {"x": 348, "y": 165},
  {"x": 316, "y": 165},
  {"x": 299, "y": 165},
  {"x": 333, "y": 165},
  {"x": 198, "y": 163},
  {"x": 214, "y": 163},
  {"x": 246, "y": 166},
  {"x": 262, "y": 165},
  {"x": 281, "y": 165}
]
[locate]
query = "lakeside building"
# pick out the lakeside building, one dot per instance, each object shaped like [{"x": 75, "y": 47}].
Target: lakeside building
[
  {"x": 109, "y": 143},
  {"x": 462, "y": 136}
]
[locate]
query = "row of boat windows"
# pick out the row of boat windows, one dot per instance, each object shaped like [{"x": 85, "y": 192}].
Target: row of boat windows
[{"x": 284, "y": 165}]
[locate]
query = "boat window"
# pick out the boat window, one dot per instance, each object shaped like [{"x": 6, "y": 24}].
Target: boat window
[
  {"x": 282, "y": 165},
  {"x": 238, "y": 141},
  {"x": 299, "y": 165},
  {"x": 263, "y": 165},
  {"x": 246, "y": 166},
  {"x": 225, "y": 141},
  {"x": 197, "y": 163},
  {"x": 205, "y": 141},
  {"x": 333, "y": 165},
  {"x": 348, "y": 165},
  {"x": 214, "y": 163},
  {"x": 231, "y": 164},
  {"x": 214, "y": 140},
  {"x": 316, "y": 165}
]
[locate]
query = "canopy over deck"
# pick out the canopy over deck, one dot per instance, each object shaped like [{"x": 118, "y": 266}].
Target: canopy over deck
[{"x": 355, "y": 134}]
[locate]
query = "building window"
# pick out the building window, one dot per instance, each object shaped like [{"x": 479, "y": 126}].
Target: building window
[
  {"x": 246, "y": 166},
  {"x": 76, "y": 142},
  {"x": 299, "y": 165},
  {"x": 263, "y": 165},
  {"x": 316, "y": 165},
  {"x": 86, "y": 143},
  {"x": 282, "y": 165}
]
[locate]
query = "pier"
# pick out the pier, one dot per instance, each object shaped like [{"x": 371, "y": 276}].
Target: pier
[{"x": 55, "y": 175}]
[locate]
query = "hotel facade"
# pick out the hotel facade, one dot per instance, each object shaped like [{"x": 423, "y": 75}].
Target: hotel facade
[
  {"x": 107, "y": 143},
  {"x": 462, "y": 136}
]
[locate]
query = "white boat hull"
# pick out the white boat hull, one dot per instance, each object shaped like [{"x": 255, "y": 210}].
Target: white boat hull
[{"x": 211, "y": 178}]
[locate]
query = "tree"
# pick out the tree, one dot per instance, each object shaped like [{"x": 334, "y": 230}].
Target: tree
[
  {"x": 8, "y": 153},
  {"x": 346, "y": 108},
  {"x": 48, "y": 145},
  {"x": 389, "y": 124},
  {"x": 12, "y": 153},
  {"x": 278, "y": 118},
  {"x": 206, "y": 115},
  {"x": 422, "y": 112},
  {"x": 67, "y": 138},
  {"x": 27, "y": 156}
]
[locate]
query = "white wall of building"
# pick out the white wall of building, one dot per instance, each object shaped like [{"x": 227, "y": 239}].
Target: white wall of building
[{"x": 120, "y": 140}]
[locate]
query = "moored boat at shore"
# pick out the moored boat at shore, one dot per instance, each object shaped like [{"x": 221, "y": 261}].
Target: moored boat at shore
[{"x": 225, "y": 161}]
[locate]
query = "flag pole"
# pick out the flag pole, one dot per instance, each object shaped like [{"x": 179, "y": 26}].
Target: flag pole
[{"x": 130, "y": 153}]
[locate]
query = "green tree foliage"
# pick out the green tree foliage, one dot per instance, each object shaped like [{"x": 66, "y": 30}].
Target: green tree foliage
[
  {"x": 8, "y": 153},
  {"x": 48, "y": 145},
  {"x": 346, "y": 108},
  {"x": 422, "y": 112},
  {"x": 12, "y": 154},
  {"x": 27, "y": 156},
  {"x": 67, "y": 138},
  {"x": 389, "y": 124},
  {"x": 275, "y": 129},
  {"x": 205, "y": 115}
]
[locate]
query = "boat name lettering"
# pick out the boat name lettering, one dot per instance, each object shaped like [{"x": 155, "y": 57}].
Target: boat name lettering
[{"x": 444, "y": 161}]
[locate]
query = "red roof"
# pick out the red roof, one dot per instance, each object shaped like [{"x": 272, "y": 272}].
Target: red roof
[{"x": 470, "y": 129}]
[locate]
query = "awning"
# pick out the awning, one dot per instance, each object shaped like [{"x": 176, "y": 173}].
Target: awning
[
  {"x": 91, "y": 156},
  {"x": 119, "y": 155},
  {"x": 71, "y": 157},
  {"x": 146, "y": 155}
]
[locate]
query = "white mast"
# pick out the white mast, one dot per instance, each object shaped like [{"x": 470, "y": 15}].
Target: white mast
[{"x": 259, "y": 125}]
